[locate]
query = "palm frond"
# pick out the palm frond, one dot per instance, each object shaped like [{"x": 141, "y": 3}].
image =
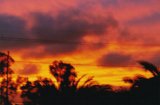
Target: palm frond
[{"x": 149, "y": 66}]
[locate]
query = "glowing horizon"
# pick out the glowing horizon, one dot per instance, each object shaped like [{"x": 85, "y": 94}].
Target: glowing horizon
[{"x": 100, "y": 38}]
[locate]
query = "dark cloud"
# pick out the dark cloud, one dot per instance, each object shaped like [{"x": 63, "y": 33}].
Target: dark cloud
[
  {"x": 115, "y": 59},
  {"x": 69, "y": 26},
  {"x": 12, "y": 25},
  {"x": 58, "y": 34},
  {"x": 125, "y": 36},
  {"x": 29, "y": 69},
  {"x": 11, "y": 28},
  {"x": 64, "y": 33}
]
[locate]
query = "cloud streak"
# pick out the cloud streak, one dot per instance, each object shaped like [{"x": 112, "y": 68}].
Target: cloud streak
[{"x": 115, "y": 59}]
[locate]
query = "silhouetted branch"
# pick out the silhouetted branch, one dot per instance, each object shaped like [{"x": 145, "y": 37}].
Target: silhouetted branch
[{"x": 149, "y": 66}]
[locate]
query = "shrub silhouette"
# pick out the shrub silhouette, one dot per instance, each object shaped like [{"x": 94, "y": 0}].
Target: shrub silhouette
[{"x": 40, "y": 92}]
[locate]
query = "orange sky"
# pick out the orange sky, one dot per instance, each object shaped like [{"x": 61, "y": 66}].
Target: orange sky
[{"x": 101, "y": 38}]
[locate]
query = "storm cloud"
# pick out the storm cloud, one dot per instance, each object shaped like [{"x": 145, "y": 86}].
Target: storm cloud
[
  {"x": 65, "y": 32},
  {"x": 57, "y": 34}
]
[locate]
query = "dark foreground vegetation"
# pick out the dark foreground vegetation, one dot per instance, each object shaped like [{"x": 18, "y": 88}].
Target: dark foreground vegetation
[{"x": 43, "y": 91}]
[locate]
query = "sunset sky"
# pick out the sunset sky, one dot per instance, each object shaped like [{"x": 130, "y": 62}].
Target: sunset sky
[{"x": 100, "y": 38}]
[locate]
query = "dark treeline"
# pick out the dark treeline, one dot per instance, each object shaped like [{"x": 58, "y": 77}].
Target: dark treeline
[{"x": 43, "y": 91}]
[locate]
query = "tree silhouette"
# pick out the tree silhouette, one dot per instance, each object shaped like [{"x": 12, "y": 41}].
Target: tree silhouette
[
  {"x": 12, "y": 90},
  {"x": 64, "y": 73},
  {"x": 145, "y": 91},
  {"x": 5, "y": 61},
  {"x": 39, "y": 92},
  {"x": 43, "y": 91},
  {"x": 136, "y": 81},
  {"x": 5, "y": 70}
]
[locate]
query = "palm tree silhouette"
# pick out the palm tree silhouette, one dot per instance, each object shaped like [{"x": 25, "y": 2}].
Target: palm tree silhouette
[{"x": 150, "y": 67}]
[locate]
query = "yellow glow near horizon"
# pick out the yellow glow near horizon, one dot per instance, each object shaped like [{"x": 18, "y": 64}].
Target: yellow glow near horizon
[{"x": 84, "y": 63}]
